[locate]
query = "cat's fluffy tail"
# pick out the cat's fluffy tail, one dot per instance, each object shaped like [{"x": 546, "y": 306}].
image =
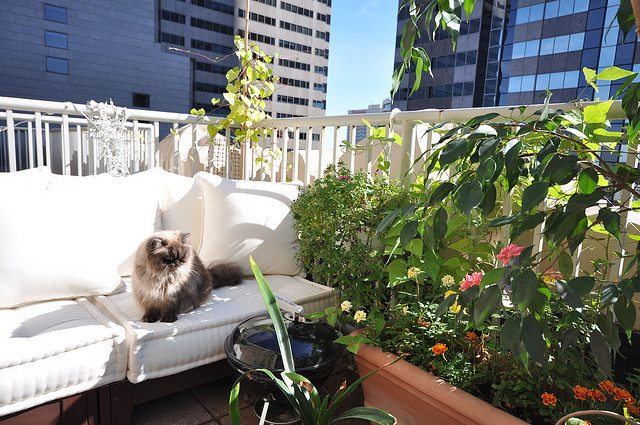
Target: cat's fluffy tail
[{"x": 225, "y": 274}]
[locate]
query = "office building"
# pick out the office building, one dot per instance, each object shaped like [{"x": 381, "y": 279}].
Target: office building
[
  {"x": 510, "y": 52},
  {"x": 77, "y": 50},
  {"x": 361, "y": 130}
]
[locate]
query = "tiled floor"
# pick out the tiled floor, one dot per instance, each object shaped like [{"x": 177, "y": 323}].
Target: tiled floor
[{"x": 209, "y": 404}]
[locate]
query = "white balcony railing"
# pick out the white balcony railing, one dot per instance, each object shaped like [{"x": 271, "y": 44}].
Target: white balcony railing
[{"x": 35, "y": 133}]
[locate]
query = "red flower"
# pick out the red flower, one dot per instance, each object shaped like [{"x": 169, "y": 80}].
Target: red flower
[
  {"x": 509, "y": 252},
  {"x": 470, "y": 280}
]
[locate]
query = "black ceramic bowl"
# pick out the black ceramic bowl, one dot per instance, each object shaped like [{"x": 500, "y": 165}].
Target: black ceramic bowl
[{"x": 253, "y": 345}]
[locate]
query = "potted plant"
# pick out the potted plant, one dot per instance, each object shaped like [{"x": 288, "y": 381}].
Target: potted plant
[{"x": 298, "y": 390}]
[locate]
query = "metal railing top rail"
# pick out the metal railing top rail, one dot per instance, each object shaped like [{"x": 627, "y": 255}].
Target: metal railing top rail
[
  {"x": 432, "y": 116},
  {"x": 76, "y": 109}
]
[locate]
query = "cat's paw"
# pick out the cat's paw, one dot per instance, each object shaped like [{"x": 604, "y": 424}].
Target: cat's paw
[
  {"x": 150, "y": 317},
  {"x": 169, "y": 318}
]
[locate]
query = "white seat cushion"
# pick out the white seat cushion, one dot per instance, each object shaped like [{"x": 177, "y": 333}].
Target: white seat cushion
[
  {"x": 55, "y": 349},
  {"x": 197, "y": 338}
]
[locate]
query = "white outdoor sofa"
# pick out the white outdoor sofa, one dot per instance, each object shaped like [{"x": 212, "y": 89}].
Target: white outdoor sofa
[{"x": 72, "y": 346}]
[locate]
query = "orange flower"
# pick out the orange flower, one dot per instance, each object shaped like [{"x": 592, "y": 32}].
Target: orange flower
[
  {"x": 423, "y": 323},
  {"x": 471, "y": 336},
  {"x": 598, "y": 395},
  {"x": 633, "y": 409},
  {"x": 549, "y": 399},
  {"x": 439, "y": 349},
  {"x": 607, "y": 386},
  {"x": 580, "y": 392},
  {"x": 622, "y": 394}
]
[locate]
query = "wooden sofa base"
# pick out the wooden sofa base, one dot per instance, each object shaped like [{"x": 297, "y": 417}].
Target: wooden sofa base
[{"x": 113, "y": 404}]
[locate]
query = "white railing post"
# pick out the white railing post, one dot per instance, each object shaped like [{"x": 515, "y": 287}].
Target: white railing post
[
  {"x": 285, "y": 148},
  {"x": 307, "y": 156},
  {"x": 66, "y": 149},
  {"x": 296, "y": 153},
  {"x": 30, "y": 153},
  {"x": 155, "y": 140},
  {"x": 408, "y": 153},
  {"x": 335, "y": 145},
  {"x": 79, "y": 149},
  {"x": 39, "y": 153},
  {"x": 320, "y": 151},
  {"x": 11, "y": 142}
]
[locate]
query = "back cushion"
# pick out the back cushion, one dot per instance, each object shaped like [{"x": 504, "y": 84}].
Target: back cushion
[
  {"x": 246, "y": 218},
  {"x": 73, "y": 238}
]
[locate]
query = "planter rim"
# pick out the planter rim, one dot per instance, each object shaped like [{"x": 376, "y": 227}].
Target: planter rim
[{"x": 474, "y": 408}]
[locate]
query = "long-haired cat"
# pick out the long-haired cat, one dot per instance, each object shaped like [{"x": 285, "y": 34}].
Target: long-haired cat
[{"x": 169, "y": 277}]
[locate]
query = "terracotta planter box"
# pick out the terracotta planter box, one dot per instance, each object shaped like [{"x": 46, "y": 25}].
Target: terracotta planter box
[{"x": 414, "y": 396}]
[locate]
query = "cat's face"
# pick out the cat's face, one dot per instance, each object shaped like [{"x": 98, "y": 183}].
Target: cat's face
[{"x": 169, "y": 249}]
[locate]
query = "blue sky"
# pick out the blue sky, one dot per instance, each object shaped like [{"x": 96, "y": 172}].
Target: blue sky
[{"x": 362, "y": 46}]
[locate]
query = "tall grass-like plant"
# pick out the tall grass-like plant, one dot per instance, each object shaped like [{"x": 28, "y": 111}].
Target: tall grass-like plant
[{"x": 298, "y": 390}]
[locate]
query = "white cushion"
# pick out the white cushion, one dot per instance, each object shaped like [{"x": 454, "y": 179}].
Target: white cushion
[
  {"x": 248, "y": 218},
  {"x": 55, "y": 349},
  {"x": 197, "y": 338},
  {"x": 181, "y": 205},
  {"x": 71, "y": 240}
]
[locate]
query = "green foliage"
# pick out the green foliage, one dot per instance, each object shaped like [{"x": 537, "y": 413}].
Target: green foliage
[
  {"x": 335, "y": 219},
  {"x": 297, "y": 389},
  {"x": 248, "y": 87},
  {"x": 455, "y": 259}
]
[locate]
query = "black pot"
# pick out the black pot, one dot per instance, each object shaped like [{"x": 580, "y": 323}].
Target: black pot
[{"x": 253, "y": 345}]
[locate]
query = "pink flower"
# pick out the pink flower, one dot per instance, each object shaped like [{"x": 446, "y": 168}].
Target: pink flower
[
  {"x": 509, "y": 252},
  {"x": 342, "y": 177},
  {"x": 472, "y": 279}
]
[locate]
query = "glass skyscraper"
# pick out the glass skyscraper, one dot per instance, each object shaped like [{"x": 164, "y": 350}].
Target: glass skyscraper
[{"x": 511, "y": 52}]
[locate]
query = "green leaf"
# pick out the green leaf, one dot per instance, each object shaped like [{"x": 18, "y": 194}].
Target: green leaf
[
  {"x": 534, "y": 194},
  {"x": 568, "y": 295},
  {"x": 588, "y": 181},
  {"x": 609, "y": 296},
  {"x": 590, "y": 77},
  {"x": 397, "y": 270},
  {"x": 613, "y": 73},
  {"x": 486, "y": 170},
  {"x": 490, "y": 299},
  {"x": 565, "y": 263},
  {"x": 525, "y": 287},
  {"x": 234, "y": 408},
  {"x": 510, "y": 332},
  {"x": 625, "y": 16},
  {"x": 440, "y": 223},
  {"x": 582, "y": 285},
  {"x": 276, "y": 317},
  {"x": 415, "y": 246},
  {"x": 408, "y": 232},
  {"x": 469, "y": 196},
  {"x": 625, "y": 311},
  {"x": 611, "y": 222},
  {"x": 533, "y": 339},
  {"x": 452, "y": 151},
  {"x": 492, "y": 276},
  {"x": 600, "y": 352},
  {"x": 597, "y": 113},
  {"x": 443, "y": 307},
  {"x": 440, "y": 192},
  {"x": 468, "y": 6},
  {"x": 368, "y": 414}
]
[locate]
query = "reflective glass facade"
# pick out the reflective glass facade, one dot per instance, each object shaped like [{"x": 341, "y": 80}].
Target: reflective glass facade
[{"x": 522, "y": 48}]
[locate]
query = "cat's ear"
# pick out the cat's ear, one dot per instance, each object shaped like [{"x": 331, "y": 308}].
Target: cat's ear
[
  {"x": 184, "y": 237},
  {"x": 154, "y": 243}
]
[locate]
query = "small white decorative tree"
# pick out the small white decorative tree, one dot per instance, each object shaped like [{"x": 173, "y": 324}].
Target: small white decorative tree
[{"x": 109, "y": 135}]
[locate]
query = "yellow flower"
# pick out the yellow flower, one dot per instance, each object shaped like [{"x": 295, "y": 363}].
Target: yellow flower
[
  {"x": 413, "y": 272},
  {"x": 346, "y": 306},
  {"x": 360, "y": 316},
  {"x": 455, "y": 307},
  {"x": 448, "y": 280},
  {"x": 405, "y": 310}
]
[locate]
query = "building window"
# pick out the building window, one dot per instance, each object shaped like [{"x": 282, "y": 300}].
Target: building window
[
  {"x": 260, "y": 38},
  {"x": 293, "y": 82},
  {"x": 258, "y": 18},
  {"x": 214, "y": 5},
  {"x": 322, "y": 70},
  {"x": 168, "y": 15},
  {"x": 210, "y": 47},
  {"x": 211, "y": 26},
  {"x": 293, "y": 100},
  {"x": 324, "y": 18},
  {"x": 320, "y": 104},
  {"x": 294, "y": 64},
  {"x": 208, "y": 88},
  {"x": 141, "y": 100},
  {"x": 166, "y": 37},
  {"x": 55, "y": 39},
  {"x": 295, "y": 46},
  {"x": 321, "y": 87},
  {"x": 327, "y": 2},
  {"x": 57, "y": 65},
  {"x": 296, "y": 9},
  {"x": 55, "y": 13},
  {"x": 322, "y": 35},
  {"x": 296, "y": 28},
  {"x": 212, "y": 68},
  {"x": 268, "y": 2},
  {"x": 324, "y": 53}
]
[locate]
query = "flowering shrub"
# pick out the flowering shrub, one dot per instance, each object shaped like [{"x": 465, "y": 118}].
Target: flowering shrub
[{"x": 463, "y": 292}]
